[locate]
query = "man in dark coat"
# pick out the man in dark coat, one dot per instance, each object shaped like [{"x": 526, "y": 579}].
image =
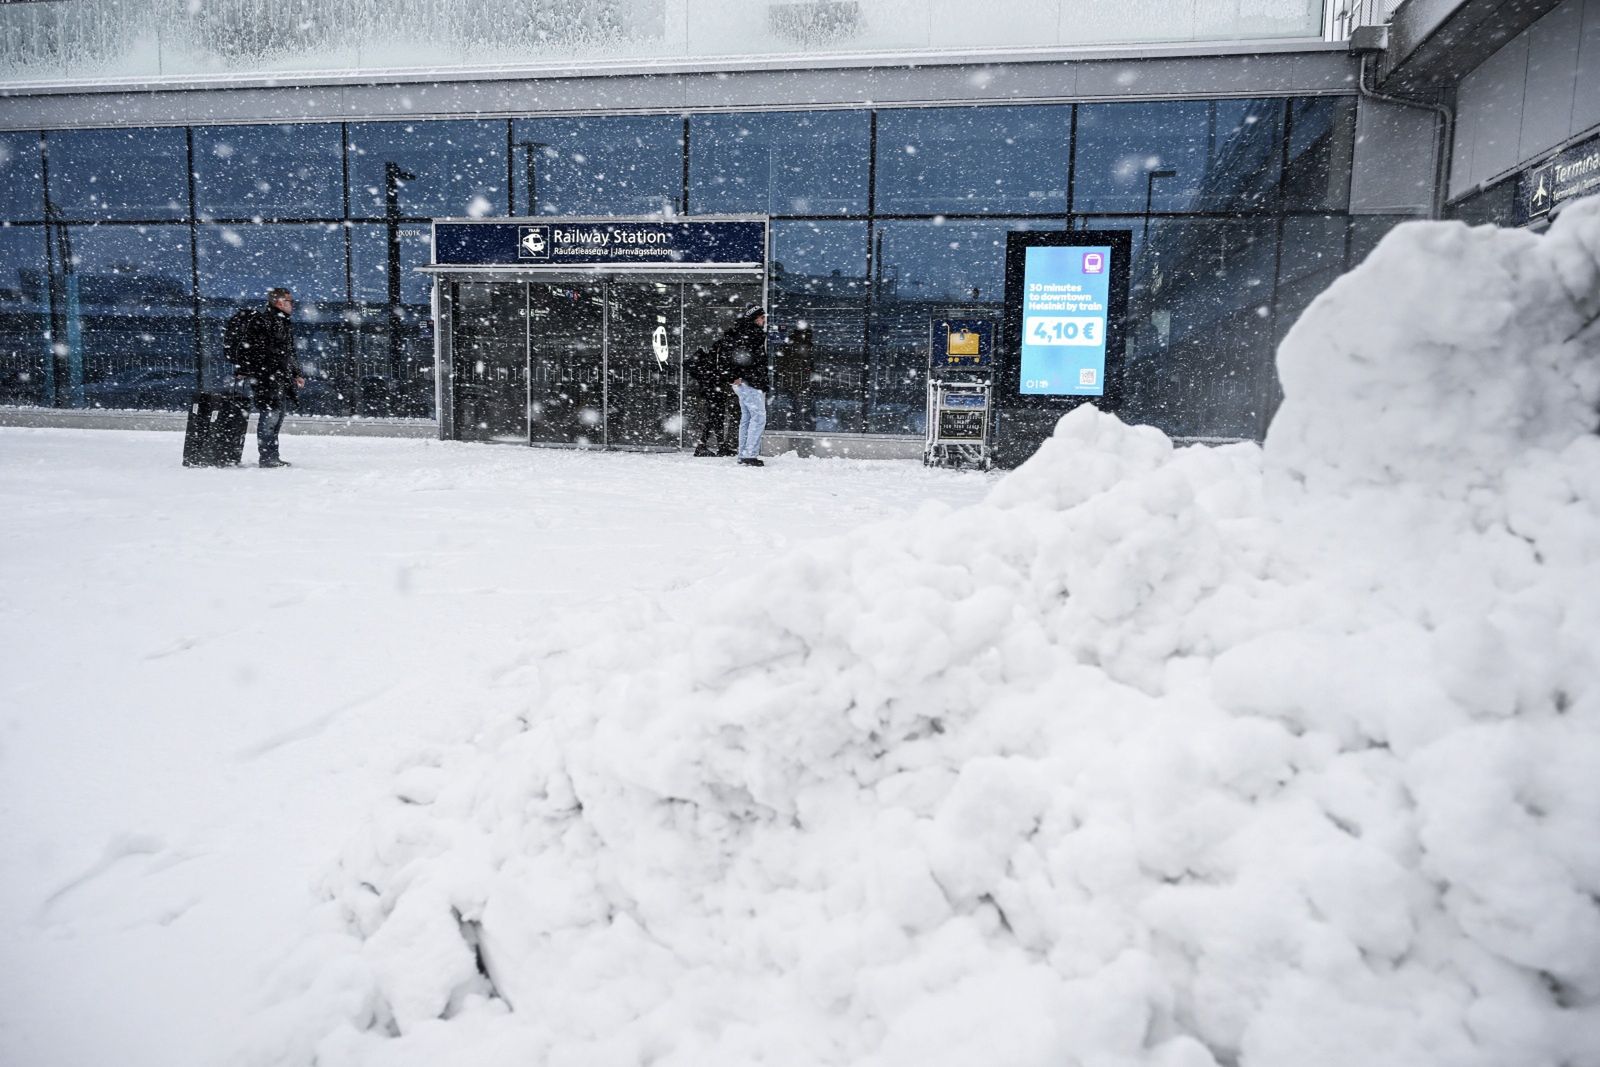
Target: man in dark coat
[
  {"x": 713, "y": 383},
  {"x": 266, "y": 358},
  {"x": 744, "y": 346}
]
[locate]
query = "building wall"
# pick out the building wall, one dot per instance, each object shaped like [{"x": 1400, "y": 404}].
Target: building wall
[
  {"x": 1536, "y": 94},
  {"x": 124, "y": 249}
]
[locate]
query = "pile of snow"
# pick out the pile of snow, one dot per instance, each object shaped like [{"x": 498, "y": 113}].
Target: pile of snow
[{"x": 1168, "y": 757}]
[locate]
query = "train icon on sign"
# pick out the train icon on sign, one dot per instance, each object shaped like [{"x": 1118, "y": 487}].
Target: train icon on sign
[
  {"x": 1093, "y": 263},
  {"x": 533, "y": 242}
]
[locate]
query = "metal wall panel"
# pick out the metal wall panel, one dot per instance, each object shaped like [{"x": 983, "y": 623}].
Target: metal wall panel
[
  {"x": 1493, "y": 93},
  {"x": 1586, "y": 89},
  {"x": 1552, "y": 67},
  {"x": 1313, "y": 70},
  {"x": 1394, "y": 160}
]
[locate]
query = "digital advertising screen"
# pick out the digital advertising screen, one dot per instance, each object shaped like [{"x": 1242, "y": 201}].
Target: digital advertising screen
[{"x": 1066, "y": 300}]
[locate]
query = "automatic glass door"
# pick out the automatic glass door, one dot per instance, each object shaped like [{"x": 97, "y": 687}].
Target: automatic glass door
[
  {"x": 491, "y": 361},
  {"x": 566, "y": 363},
  {"x": 644, "y": 365}
]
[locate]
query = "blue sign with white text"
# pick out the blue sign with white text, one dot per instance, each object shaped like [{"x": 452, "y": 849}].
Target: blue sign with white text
[
  {"x": 1066, "y": 292},
  {"x": 623, "y": 243}
]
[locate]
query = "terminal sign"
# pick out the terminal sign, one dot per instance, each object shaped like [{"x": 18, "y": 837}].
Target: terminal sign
[{"x": 1066, "y": 293}]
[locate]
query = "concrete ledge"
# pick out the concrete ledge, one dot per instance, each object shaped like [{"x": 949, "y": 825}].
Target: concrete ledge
[
  {"x": 853, "y": 446},
  {"x": 75, "y": 419}
]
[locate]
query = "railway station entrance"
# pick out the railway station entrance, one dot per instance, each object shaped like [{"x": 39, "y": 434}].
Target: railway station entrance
[{"x": 573, "y": 333}]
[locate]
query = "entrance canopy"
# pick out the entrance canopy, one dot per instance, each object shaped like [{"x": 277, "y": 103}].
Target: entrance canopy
[{"x": 574, "y": 331}]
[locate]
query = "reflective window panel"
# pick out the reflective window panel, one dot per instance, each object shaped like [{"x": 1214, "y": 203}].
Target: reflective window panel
[
  {"x": 454, "y": 169},
  {"x": 973, "y": 160},
  {"x": 238, "y": 264},
  {"x": 817, "y": 294},
  {"x": 269, "y": 172},
  {"x": 607, "y": 165},
  {"x": 392, "y": 374},
  {"x": 138, "y": 174},
  {"x": 1312, "y": 256},
  {"x": 1322, "y": 135},
  {"x": 124, "y": 293},
  {"x": 21, "y": 178},
  {"x": 780, "y": 163},
  {"x": 1199, "y": 357},
  {"x": 25, "y": 356},
  {"x": 921, "y": 266},
  {"x": 1222, "y": 155}
]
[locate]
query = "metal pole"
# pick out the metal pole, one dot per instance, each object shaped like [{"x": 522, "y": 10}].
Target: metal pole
[{"x": 393, "y": 177}]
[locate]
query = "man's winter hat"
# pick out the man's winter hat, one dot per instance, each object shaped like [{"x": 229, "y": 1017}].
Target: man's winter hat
[{"x": 752, "y": 311}]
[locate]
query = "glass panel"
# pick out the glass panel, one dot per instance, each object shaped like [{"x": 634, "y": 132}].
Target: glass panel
[
  {"x": 711, "y": 306},
  {"x": 119, "y": 174},
  {"x": 21, "y": 181},
  {"x": 1222, "y": 155},
  {"x": 269, "y": 172},
  {"x": 818, "y": 303},
  {"x": 451, "y": 169},
  {"x": 24, "y": 318},
  {"x": 973, "y": 160},
  {"x": 921, "y": 267},
  {"x": 644, "y": 366},
  {"x": 393, "y": 368},
  {"x": 1322, "y": 134},
  {"x": 1199, "y": 356},
  {"x": 1312, "y": 256},
  {"x": 780, "y": 163},
  {"x": 124, "y": 295},
  {"x": 491, "y": 361},
  {"x": 616, "y": 165},
  {"x": 565, "y": 330},
  {"x": 238, "y": 264},
  {"x": 1367, "y": 230}
]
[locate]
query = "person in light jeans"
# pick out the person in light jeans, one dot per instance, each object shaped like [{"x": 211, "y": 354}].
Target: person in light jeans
[{"x": 745, "y": 345}]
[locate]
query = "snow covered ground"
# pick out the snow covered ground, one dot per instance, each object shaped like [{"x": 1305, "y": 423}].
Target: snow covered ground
[
  {"x": 210, "y": 677},
  {"x": 1140, "y": 756}
]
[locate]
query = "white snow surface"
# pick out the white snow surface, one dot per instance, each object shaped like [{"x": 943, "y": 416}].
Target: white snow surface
[
  {"x": 1281, "y": 757},
  {"x": 210, "y": 677},
  {"x": 1258, "y": 757}
]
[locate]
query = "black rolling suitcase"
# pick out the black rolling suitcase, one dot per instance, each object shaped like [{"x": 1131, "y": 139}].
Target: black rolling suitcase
[{"x": 214, "y": 436}]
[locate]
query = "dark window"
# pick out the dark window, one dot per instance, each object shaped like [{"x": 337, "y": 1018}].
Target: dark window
[
  {"x": 21, "y": 184},
  {"x": 1366, "y": 231},
  {"x": 973, "y": 160},
  {"x": 392, "y": 374},
  {"x": 118, "y": 174},
  {"x": 1312, "y": 256},
  {"x": 24, "y": 318},
  {"x": 617, "y": 165},
  {"x": 431, "y": 169},
  {"x": 1322, "y": 134},
  {"x": 1222, "y": 155},
  {"x": 780, "y": 163},
  {"x": 921, "y": 266},
  {"x": 1494, "y": 206},
  {"x": 238, "y": 264},
  {"x": 1199, "y": 356},
  {"x": 269, "y": 172},
  {"x": 818, "y": 298},
  {"x": 127, "y": 319}
]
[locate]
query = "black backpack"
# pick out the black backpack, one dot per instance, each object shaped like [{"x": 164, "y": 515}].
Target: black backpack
[{"x": 236, "y": 348}]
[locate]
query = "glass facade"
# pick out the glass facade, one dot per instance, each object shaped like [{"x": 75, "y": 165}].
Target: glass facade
[{"x": 122, "y": 252}]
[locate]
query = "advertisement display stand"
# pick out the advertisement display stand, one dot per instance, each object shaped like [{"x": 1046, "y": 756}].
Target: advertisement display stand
[
  {"x": 1061, "y": 344},
  {"x": 960, "y": 391}
]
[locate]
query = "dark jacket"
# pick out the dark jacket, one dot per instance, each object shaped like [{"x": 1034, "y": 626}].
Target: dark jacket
[
  {"x": 708, "y": 371},
  {"x": 267, "y": 351},
  {"x": 743, "y": 346}
]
